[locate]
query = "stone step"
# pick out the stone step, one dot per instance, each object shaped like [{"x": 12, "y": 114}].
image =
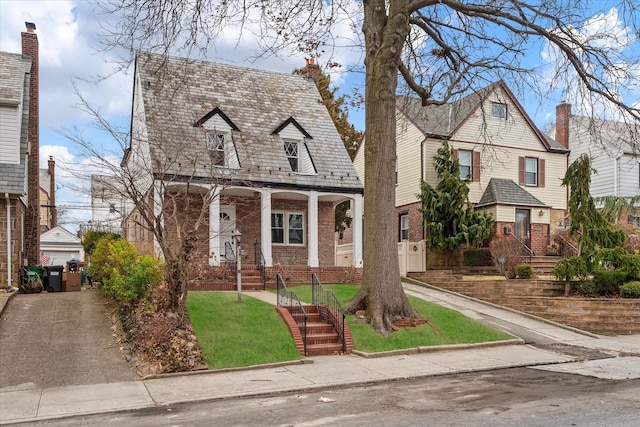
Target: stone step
[{"x": 323, "y": 349}]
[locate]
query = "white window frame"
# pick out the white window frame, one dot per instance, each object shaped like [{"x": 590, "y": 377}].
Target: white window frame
[
  {"x": 469, "y": 175},
  {"x": 216, "y": 144},
  {"x": 286, "y": 228},
  {"x": 499, "y": 110},
  {"x": 404, "y": 227},
  {"x": 531, "y": 161},
  {"x": 286, "y": 144}
]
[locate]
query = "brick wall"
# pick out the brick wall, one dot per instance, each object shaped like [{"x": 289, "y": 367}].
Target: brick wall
[
  {"x": 416, "y": 230},
  {"x": 539, "y": 235},
  {"x": 32, "y": 214}
]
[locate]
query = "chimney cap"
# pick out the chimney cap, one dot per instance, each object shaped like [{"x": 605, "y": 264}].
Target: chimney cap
[{"x": 31, "y": 27}]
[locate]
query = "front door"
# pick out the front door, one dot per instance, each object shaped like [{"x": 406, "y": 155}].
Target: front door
[
  {"x": 523, "y": 226},
  {"x": 227, "y": 225}
]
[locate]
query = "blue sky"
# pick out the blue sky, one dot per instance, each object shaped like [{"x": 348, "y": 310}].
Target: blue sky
[{"x": 68, "y": 48}]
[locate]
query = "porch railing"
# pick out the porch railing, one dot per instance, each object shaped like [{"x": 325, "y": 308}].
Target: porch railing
[
  {"x": 289, "y": 300},
  {"x": 526, "y": 248},
  {"x": 259, "y": 262},
  {"x": 329, "y": 308}
]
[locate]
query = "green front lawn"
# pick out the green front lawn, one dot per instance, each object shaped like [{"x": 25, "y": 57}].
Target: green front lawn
[{"x": 233, "y": 334}]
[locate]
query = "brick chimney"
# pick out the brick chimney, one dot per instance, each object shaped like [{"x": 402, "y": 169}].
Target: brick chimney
[
  {"x": 32, "y": 216},
  {"x": 52, "y": 192},
  {"x": 311, "y": 70},
  {"x": 563, "y": 112}
]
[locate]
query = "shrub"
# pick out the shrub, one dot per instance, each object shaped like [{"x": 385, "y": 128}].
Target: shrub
[
  {"x": 633, "y": 244},
  {"x": 507, "y": 253},
  {"x": 568, "y": 269},
  {"x": 477, "y": 257},
  {"x": 123, "y": 274},
  {"x": 585, "y": 288},
  {"x": 631, "y": 265},
  {"x": 608, "y": 283},
  {"x": 608, "y": 259},
  {"x": 524, "y": 271},
  {"x": 630, "y": 290}
]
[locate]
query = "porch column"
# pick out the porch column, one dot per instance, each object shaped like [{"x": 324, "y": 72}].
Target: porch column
[
  {"x": 214, "y": 227},
  {"x": 357, "y": 230},
  {"x": 158, "y": 203},
  {"x": 265, "y": 227},
  {"x": 312, "y": 232}
]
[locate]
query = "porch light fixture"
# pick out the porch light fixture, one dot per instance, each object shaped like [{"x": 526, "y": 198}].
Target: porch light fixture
[{"x": 237, "y": 236}]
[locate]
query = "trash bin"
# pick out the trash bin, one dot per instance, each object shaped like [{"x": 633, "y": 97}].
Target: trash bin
[
  {"x": 53, "y": 278},
  {"x": 73, "y": 277},
  {"x": 31, "y": 279}
]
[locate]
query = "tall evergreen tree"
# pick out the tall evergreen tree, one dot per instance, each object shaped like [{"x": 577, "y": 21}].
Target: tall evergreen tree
[{"x": 448, "y": 216}]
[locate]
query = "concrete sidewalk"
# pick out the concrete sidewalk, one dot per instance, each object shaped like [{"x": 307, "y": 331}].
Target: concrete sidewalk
[{"x": 321, "y": 372}]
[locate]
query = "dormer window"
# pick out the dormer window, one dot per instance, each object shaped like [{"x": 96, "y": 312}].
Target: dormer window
[
  {"x": 215, "y": 145},
  {"x": 291, "y": 150}
]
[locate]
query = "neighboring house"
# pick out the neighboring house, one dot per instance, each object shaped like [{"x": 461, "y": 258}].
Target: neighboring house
[
  {"x": 48, "y": 211},
  {"x": 59, "y": 245},
  {"x": 262, "y": 142},
  {"x": 513, "y": 170},
  {"x": 19, "y": 175},
  {"x": 108, "y": 205},
  {"x": 613, "y": 155}
]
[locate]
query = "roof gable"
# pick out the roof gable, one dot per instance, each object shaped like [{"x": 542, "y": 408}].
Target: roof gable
[
  {"x": 59, "y": 235},
  {"x": 291, "y": 121},
  {"x": 216, "y": 112}
]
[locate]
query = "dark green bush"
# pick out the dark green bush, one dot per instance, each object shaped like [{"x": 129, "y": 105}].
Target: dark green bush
[
  {"x": 524, "y": 271},
  {"x": 608, "y": 283},
  {"x": 585, "y": 288},
  {"x": 631, "y": 265},
  {"x": 568, "y": 269},
  {"x": 630, "y": 290},
  {"x": 609, "y": 258},
  {"x": 477, "y": 257}
]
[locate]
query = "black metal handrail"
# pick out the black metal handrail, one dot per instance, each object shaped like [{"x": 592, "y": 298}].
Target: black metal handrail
[
  {"x": 329, "y": 308},
  {"x": 289, "y": 300},
  {"x": 524, "y": 245},
  {"x": 230, "y": 256},
  {"x": 259, "y": 262}
]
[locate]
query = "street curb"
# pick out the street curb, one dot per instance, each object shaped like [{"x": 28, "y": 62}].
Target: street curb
[
  {"x": 435, "y": 348},
  {"x": 502, "y": 307}
]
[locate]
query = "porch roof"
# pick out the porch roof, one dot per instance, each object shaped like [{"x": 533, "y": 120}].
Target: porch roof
[{"x": 506, "y": 192}]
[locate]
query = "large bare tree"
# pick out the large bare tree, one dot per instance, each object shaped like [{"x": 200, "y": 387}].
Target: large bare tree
[{"x": 438, "y": 50}]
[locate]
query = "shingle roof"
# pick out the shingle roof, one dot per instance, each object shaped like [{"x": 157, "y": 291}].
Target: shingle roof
[
  {"x": 506, "y": 192},
  {"x": 178, "y": 93},
  {"x": 444, "y": 120},
  {"x": 14, "y": 89}
]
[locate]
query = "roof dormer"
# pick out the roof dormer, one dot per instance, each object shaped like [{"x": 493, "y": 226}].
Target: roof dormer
[
  {"x": 294, "y": 144},
  {"x": 218, "y": 137}
]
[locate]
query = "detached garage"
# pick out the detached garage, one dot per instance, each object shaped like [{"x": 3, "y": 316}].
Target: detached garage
[{"x": 58, "y": 246}]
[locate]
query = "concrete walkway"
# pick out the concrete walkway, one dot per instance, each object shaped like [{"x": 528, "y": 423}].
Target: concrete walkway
[{"x": 319, "y": 373}]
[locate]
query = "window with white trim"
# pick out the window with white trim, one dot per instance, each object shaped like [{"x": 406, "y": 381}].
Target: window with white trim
[
  {"x": 215, "y": 145},
  {"x": 498, "y": 110},
  {"x": 287, "y": 228},
  {"x": 404, "y": 227},
  {"x": 531, "y": 171},
  {"x": 291, "y": 149},
  {"x": 465, "y": 160}
]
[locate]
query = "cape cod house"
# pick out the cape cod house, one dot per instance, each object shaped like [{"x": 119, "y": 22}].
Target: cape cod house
[
  {"x": 513, "y": 169},
  {"x": 264, "y": 149}
]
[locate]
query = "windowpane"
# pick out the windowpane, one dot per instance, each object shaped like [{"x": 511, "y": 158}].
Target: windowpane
[
  {"x": 277, "y": 228},
  {"x": 404, "y": 227},
  {"x": 498, "y": 110},
  {"x": 531, "y": 171},
  {"x": 296, "y": 229},
  {"x": 465, "y": 160},
  {"x": 291, "y": 150},
  {"x": 215, "y": 145}
]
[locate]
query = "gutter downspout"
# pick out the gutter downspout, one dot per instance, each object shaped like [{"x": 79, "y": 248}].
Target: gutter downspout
[{"x": 6, "y": 198}]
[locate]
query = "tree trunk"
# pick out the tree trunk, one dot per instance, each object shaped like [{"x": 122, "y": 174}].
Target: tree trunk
[{"x": 381, "y": 294}]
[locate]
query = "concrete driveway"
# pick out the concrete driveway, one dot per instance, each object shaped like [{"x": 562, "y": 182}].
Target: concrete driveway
[{"x": 58, "y": 339}]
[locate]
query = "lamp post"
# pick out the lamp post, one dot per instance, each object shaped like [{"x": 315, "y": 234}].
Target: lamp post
[{"x": 237, "y": 237}]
